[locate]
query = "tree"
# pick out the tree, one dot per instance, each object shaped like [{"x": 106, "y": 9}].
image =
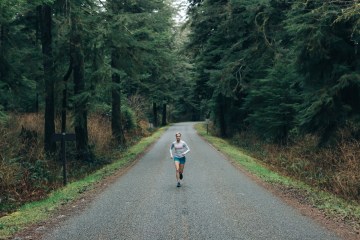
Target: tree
[
  {"x": 49, "y": 77},
  {"x": 116, "y": 118},
  {"x": 17, "y": 47},
  {"x": 229, "y": 53},
  {"x": 327, "y": 58},
  {"x": 206, "y": 43},
  {"x": 80, "y": 94},
  {"x": 272, "y": 103}
]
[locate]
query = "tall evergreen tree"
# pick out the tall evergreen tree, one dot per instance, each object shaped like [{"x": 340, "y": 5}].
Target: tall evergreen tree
[
  {"x": 272, "y": 103},
  {"x": 18, "y": 47},
  {"x": 49, "y": 76},
  {"x": 206, "y": 42},
  {"x": 80, "y": 94},
  {"x": 116, "y": 118},
  {"x": 230, "y": 53},
  {"x": 328, "y": 60}
]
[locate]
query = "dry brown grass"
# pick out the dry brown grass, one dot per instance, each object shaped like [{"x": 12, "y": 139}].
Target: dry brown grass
[
  {"x": 27, "y": 174},
  {"x": 347, "y": 178},
  {"x": 139, "y": 105},
  {"x": 335, "y": 169},
  {"x": 100, "y": 136},
  {"x": 99, "y": 129},
  {"x": 31, "y": 121},
  {"x": 21, "y": 153}
]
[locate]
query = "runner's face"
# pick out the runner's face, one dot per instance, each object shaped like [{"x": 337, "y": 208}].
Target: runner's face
[{"x": 178, "y": 137}]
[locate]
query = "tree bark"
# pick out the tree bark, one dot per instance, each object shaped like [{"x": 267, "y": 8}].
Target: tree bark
[
  {"x": 4, "y": 65},
  {"x": 155, "y": 114},
  {"x": 221, "y": 105},
  {"x": 2, "y": 32},
  {"x": 163, "y": 122},
  {"x": 80, "y": 105},
  {"x": 116, "y": 118},
  {"x": 48, "y": 63},
  {"x": 37, "y": 95},
  {"x": 64, "y": 100}
]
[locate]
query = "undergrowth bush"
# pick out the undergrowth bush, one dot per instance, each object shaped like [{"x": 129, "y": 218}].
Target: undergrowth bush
[
  {"x": 100, "y": 134},
  {"x": 24, "y": 172},
  {"x": 27, "y": 173},
  {"x": 138, "y": 104},
  {"x": 335, "y": 169}
]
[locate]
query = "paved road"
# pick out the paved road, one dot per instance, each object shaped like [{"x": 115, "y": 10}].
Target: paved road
[{"x": 216, "y": 201}]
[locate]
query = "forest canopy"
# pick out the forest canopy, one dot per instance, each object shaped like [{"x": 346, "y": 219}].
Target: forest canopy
[{"x": 277, "y": 67}]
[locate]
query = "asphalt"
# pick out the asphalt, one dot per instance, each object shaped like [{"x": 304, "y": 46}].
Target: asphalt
[{"x": 215, "y": 201}]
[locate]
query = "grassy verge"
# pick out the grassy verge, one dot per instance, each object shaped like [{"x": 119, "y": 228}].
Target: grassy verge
[
  {"x": 331, "y": 205},
  {"x": 35, "y": 212}
]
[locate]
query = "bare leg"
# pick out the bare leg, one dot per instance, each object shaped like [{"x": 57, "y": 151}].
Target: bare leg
[
  {"x": 177, "y": 166},
  {"x": 181, "y": 168}
]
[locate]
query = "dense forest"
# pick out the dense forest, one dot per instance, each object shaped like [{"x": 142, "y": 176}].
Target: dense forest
[
  {"x": 279, "y": 78},
  {"x": 282, "y": 80},
  {"x": 106, "y": 71}
]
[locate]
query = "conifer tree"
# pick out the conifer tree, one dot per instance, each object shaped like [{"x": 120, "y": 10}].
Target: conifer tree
[
  {"x": 18, "y": 46},
  {"x": 49, "y": 76},
  {"x": 327, "y": 58},
  {"x": 272, "y": 103},
  {"x": 80, "y": 94}
]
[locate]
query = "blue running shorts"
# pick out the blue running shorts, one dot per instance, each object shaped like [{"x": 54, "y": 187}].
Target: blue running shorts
[{"x": 181, "y": 160}]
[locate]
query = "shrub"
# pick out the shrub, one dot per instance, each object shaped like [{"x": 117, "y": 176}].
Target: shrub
[{"x": 335, "y": 169}]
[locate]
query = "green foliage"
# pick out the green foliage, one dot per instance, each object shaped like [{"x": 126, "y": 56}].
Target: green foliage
[
  {"x": 3, "y": 116},
  {"x": 273, "y": 102},
  {"x": 327, "y": 58},
  {"x": 38, "y": 173},
  {"x": 255, "y": 60},
  {"x": 352, "y": 12},
  {"x": 338, "y": 104},
  {"x": 129, "y": 118},
  {"x": 18, "y": 48},
  {"x": 9, "y": 8}
]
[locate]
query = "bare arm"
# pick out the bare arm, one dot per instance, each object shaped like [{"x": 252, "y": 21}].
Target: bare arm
[
  {"x": 187, "y": 148},
  {"x": 171, "y": 147}
]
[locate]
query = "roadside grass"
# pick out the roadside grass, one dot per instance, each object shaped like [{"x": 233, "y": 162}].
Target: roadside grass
[
  {"x": 331, "y": 205},
  {"x": 36, "y": 212}
]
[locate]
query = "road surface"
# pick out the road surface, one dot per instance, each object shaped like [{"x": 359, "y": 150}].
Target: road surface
[{"x": 215, "y": 201}]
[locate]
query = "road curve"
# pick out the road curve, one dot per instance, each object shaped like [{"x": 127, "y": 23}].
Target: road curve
[{"x": 216, "y": 201}]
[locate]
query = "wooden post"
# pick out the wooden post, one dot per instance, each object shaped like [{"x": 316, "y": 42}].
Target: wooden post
[{"x": 62, "y": 138}]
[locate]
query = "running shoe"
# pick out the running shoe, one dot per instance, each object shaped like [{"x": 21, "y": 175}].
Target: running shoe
[
  {"x": 178, "y": 184},
  {"x": 181, "y": 176}
]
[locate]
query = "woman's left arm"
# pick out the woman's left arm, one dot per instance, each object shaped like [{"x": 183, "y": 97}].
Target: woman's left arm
[{"x": 187, "y": 148}]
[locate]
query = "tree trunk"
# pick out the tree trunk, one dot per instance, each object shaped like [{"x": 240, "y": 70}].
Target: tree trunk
[
  {"x": 2, "y": 37},
  {"x": 80, "y": 109},
  {"x": 155, "y": 114},
  {"x": 221, "y": 105},
  {"x": 48, "y": 62},
  {"x": 64, "y": 100},
  {"x": 4, "y": 65},
  {"x": 2, "y": 32},
  {"x": 116, "y": 121},
  {"x": 37, "y": 101},
  {"x": 163, "y": 122}
]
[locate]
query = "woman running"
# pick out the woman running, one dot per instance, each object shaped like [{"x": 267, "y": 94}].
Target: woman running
[{"x": 181, "y": 148}]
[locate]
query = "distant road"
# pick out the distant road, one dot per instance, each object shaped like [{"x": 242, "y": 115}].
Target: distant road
[{"x": 216, "y": 201}]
